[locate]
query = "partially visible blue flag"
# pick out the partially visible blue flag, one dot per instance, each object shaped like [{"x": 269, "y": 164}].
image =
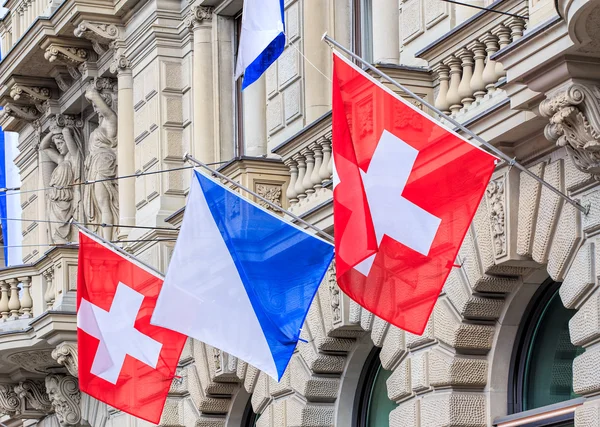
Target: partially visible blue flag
[
  {"x": 262, "y": 38},
  {"x": 3, "y": 207},
  {"x": 240, "y": 279}
]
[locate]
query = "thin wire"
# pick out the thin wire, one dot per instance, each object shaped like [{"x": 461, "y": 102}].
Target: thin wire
[
  {"x": 75, "y": 244},
  {"x": 93, "y": 224},
  {"x": 17, "y": 190},
  {"x": 488, "y": 9},
  {"x": 307, "y": 60}
]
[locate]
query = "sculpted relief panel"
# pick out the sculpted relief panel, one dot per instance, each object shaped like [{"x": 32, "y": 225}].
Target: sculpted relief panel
[{"x": 67, "y": 159}]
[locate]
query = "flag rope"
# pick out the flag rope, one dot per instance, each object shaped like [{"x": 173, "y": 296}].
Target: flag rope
[
  {"x": 486, "y": 8},
  {"x": 73, "y": 244},
  {"x": 94, "y": 224},
  {"x": 511, "y": 161},
  {"x": 327, "y": 236}
]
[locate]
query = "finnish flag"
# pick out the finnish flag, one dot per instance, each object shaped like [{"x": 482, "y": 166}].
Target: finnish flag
[
  {"x": 240, "y": 279},
  {"x": 262, "y": 38}
]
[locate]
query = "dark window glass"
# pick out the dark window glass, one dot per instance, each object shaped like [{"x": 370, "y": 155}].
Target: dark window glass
[
  {"x": 548, "y": 374},
  {"x": 379, "y": 405}
]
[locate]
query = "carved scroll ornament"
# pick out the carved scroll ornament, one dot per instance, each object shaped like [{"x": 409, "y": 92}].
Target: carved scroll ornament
[{"x": 574, "y": 115}]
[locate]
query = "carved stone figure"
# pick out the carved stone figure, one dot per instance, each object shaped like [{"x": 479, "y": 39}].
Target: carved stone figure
[
  {"x": 101, "y": 201},
  {"x": 61, "y": 157},
  {"x": 63, "y": 391}
]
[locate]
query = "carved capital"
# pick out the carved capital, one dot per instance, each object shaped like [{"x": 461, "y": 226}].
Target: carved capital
[
  {"x": 100, "y": 34},
  {"x": 35, "y": 94},
  {"x": 198, "y": 14},
  {"x": 66, "y": 355},
  {"x": 106, "y": 84},
  {"x": 574, "y": 115},
  {"x": 69, "y": 55},
  {"x": 120, "y": 64},
  {"x": 66, "y": 120},
  {"x": 26, "y": 113},
  {"x": 63, "y": 391}
]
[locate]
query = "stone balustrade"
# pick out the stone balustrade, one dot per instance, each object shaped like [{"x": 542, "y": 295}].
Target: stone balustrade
[
  {"x": 22, "y": 14},
  {"x": 308, "y": 157},
  {"x": 28, "y": 291},
  {"x": 469, "y": 76}
]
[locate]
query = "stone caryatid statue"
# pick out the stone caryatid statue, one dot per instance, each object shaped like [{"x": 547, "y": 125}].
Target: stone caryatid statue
[
  {"x": 101, "y": 200},
  {"x": 61, "y": 158}
]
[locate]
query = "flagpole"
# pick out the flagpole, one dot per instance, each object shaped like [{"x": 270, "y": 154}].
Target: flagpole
[
  {"x": 511, "y": 161},
  {"x": 329, "y": 237},
  {"x": 122, "y": 252}
]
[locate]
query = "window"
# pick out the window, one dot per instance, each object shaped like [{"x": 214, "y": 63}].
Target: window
[
  {"x": 249, "y": 418},
  {"x": 372, "y": 405},
  {"x": 542, "y": 364}
]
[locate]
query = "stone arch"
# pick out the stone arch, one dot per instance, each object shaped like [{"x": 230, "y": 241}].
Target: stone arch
[{"x": 521, "y": 234}]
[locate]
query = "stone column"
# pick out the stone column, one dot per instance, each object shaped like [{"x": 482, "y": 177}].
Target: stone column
[
  {"x": 386, "y": 31},
  {"x": 126, "y": 143},
  {"x": 255, "y": 118},
  {"x": 202, "y": 90},
  {"x": 317, "y": 87}
]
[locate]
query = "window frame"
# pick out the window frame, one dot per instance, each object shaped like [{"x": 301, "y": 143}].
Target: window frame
[
  {"x": 363, "y": 389},
  {"x": 238, "y": 95},
  {"x": 557, "y": 414}
]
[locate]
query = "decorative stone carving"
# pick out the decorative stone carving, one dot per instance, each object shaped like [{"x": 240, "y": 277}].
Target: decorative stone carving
[
  {"x": 61, "y": 158},
  {"x": 101, "y": 35},
  {"x": 120, "y": 64},
  {"x": 26, "y": 113},
  {"x": 63, "y": 81},
  {"x": 9, "y": 401},
  {"x": 69, "y": 55},
  {"x": 198, "y": 14},
  {"x": 270, "y": 192},
  {"x": 34, "y": 393},
  {"x": 50, "y": 294},
  {"x": 574, "y": 115},
  {"x": 66, "y": 354},
  {"x": 334, "y": 294},
  {"x": 101, "y": 200},
  {"x": 496, "y": 201},
  {"x": 63, "y": 391},
  {"x": 36, "y": 361},
  {"x": 29, "y": 93},
  {"x": 217, "y": 359}
]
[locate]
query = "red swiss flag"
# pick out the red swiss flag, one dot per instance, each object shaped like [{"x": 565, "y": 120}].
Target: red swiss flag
[
  {"x": 405, "y": 191},
  {"x": 124, "y": 361}
]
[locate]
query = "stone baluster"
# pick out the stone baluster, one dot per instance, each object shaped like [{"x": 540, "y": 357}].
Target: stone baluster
[
  {"x": 4, "y": 310},
  {"x": 516, "y": 25},
  {"x": 299, "y": 187},
  {"x": 464, "y": 89},
  {"x": 503, "y": 34},
  {"x": 477, "y": 85},
  {"x": 291, "y": 193},
  {"x": 30, "y": 12},
  {"x": 324, "y": 172},
  {"x": 453, "y": 98},
  {"x": 489, "y": 73},
  {"x": 310, "y": 167},
  {"x": 441, "y": 101},
  {"x": 26, "y": 300},
  {"x": 330, "y": 163},
  {"x": 50, "y": 294},
  {"x": 14, "y": 305},
  {"x": 315, "y": 177}
]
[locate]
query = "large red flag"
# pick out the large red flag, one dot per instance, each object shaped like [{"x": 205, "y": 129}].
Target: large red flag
[
  {"x": 124, "y": 361},
  {"x": 405, "y": 191}
]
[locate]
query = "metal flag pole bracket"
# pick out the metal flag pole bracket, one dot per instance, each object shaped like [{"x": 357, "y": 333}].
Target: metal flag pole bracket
[
  {"x": 189, "y": 158},
  {"x": 511, "y": 161}
]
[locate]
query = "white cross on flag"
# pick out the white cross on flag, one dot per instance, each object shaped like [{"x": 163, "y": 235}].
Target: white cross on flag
[
  {"x": 405, "y": 191},
  {"x": 124, "y": 361}
]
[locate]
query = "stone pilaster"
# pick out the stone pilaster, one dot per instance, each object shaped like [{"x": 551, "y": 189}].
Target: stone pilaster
[
  {"x": 126, "y": 146},
  {"x": 203, "y": 144}
]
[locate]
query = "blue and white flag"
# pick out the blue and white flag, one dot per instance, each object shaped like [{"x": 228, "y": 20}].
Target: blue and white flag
[
  {"x": 262, "y": 38},
  {"x": 240, "y": 279}
]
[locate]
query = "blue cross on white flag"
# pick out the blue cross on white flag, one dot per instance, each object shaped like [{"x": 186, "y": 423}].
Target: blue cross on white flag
[
  {"x": 241, "y": 279},
  {"x": 262, "y": 38}
]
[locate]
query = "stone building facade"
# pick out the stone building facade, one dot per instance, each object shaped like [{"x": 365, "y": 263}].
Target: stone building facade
[{"x": 100, "y": 89}]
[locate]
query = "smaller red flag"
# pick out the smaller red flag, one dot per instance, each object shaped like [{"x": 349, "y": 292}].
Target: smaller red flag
[
  {"x": 405, "y": 191},
  {"x": 124, "y": 361}
]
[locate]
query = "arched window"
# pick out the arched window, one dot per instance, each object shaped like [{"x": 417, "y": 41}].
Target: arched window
[
  {"x": 372, "y": 405},
  {"x": 542, "y": 364},
  {"x": 249, "y": 418}
]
